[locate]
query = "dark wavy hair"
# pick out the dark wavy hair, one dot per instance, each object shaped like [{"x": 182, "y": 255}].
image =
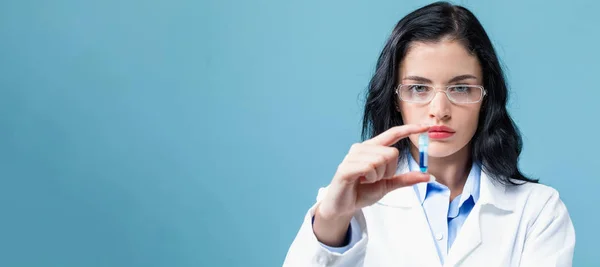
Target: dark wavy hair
[{"x": 497, "y": 142}]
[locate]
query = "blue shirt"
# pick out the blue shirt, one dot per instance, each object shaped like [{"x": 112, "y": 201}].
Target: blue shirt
[{"x": 445, "y": 217}]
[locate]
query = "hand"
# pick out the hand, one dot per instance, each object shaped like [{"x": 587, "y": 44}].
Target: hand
[{"x": 366, "y": 175}]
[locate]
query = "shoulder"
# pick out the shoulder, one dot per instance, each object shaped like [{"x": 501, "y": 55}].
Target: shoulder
[
  {"x": 544, "y": 215},
  {"x": 537, "y": 201},
  {"x": 532, "y": 191},
  {"x": 534, "y": 195}
]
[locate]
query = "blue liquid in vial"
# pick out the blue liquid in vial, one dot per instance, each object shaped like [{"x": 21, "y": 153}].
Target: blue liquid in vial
[
  {"x": 423, "y": 161},
  {"x": 423, "y": 145}
]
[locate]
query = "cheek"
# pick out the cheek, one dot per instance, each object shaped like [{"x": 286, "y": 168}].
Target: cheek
[
  {"x": 474, "y": 118},
  {"x": 469, "y": 124},
  {"x": 413, "y": 115}
]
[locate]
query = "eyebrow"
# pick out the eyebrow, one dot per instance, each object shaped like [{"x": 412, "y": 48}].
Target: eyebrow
[{"x": 453, "y": 80}]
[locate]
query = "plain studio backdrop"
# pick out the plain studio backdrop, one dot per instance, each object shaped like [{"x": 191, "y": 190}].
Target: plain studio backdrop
[{"x": 197, "y": 133}]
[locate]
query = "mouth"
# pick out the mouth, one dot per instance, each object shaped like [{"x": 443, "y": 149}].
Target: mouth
[{"x": 440, "y": 132}]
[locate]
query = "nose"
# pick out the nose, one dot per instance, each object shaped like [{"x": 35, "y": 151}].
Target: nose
[{"x": 440, "y": 107}]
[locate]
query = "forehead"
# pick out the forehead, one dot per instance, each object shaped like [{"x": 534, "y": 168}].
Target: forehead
[{"x": 439, "y": 61}]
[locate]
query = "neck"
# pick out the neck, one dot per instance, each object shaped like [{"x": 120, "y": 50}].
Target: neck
[{"x": 451, "y": 171}]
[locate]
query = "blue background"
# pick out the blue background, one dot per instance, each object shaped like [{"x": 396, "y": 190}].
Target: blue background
[{"x": 196, "y": 133}]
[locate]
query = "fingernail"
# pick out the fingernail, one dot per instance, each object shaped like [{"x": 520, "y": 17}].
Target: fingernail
[{"x": 431, "y": 178}]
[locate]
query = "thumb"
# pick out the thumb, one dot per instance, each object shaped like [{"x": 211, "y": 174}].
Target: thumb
[{"x": 408, "y": 179}]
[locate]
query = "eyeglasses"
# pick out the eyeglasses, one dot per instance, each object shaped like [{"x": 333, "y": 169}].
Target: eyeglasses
[{"x": 458, "y": 94}]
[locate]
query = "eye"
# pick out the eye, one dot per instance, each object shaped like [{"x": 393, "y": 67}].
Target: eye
[
  {"x": 460, "y": 89},
  {"x": 417, "y": 88}
]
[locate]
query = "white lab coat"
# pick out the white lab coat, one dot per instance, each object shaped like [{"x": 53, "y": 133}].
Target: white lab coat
[{"x": 526, "y": 225}]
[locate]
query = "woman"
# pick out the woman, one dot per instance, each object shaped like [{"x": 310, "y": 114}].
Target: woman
[{"x": 437, "y": 74}]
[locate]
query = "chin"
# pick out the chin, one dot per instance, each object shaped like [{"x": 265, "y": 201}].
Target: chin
[{"x": 442, "y": 150}]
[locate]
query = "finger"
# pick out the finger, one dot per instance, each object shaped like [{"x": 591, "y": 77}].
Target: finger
[
  {"x": 408, "y": 179},
  {"x": 390, "y": 168},
  {"x": 394, "y": 134},
  {"x": 389, "y": 153},
  {"x": 377, "y": 160},
  {"x": 351, "y": 170},
  {"x": 370, "y": 173}
]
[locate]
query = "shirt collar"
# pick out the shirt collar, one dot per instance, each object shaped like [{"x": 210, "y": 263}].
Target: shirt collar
[
  {"x": 490, "y": 192},
  {"x": 471, "y": 187}
]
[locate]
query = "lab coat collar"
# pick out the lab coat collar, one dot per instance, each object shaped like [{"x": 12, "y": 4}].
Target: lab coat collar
[
  {"x": 470, "y": 189},
  {"x": 492, "y": 193}
]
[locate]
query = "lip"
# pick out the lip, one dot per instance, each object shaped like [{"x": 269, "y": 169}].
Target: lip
[
  {"x": 440, "y": 135},
  {"x": 441, "y": 128},
  {"x": 440, "y": 132}
]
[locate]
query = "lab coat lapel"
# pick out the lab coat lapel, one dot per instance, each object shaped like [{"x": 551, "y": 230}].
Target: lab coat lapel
[
  {"x": 408, "y": 220},
  {"x": 467, "y": 240},
  {"x": 469, "y": 237}
]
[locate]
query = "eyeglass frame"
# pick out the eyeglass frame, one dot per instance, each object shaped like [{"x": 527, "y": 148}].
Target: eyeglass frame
[{"x": 483, "y": 92}]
